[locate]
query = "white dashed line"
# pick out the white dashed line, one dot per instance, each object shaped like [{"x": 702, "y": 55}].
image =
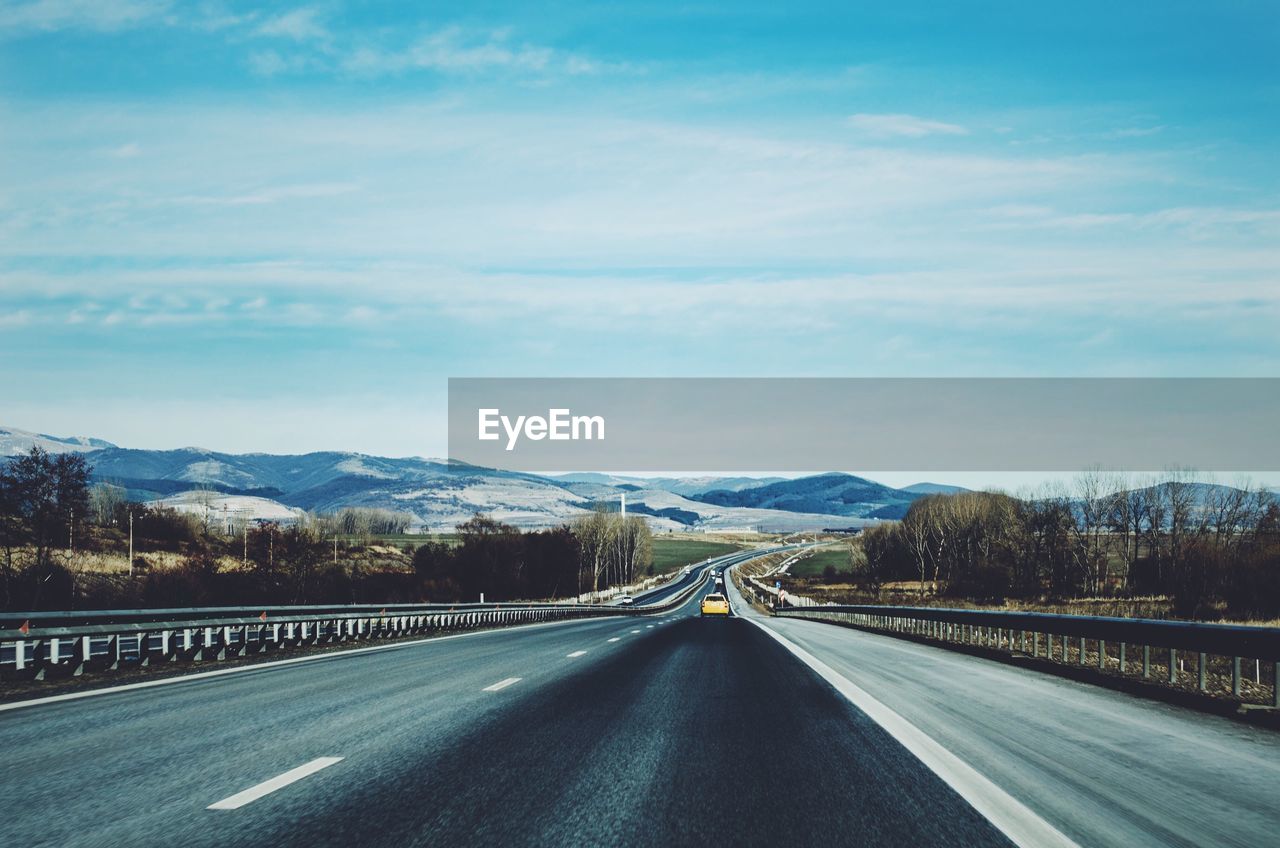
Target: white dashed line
[
  {"x": 575, "y": 654},
  {"x": 635, "y": 631},
  {"x": 615, "y": 638},
  {"x": 502, "y": 684},
  {"x": 253, "y": 793},
  {"x": 648, "y": 627}
]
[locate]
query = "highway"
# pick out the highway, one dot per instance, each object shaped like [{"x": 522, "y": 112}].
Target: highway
[{"x": 658, "y": 730}]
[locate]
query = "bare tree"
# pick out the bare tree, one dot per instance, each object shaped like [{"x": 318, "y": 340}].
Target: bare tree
[{"x": 104, "y": 500}]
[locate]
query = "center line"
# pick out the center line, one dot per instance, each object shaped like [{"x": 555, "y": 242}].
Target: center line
[
  {"x": 635, "y": 631},
  {"x": 253, "y": 793},
  {"x": 615, "y": 638},
  {"x": 502, "y": 684},
  {"x": 648, "y": 627},
  {"x": 576, "y": 654}
]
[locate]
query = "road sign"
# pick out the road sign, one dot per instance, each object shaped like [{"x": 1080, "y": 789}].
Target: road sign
[{"x": 777, "y": 584}]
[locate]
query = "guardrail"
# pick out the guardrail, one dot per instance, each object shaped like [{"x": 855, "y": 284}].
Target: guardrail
[
  {"x": 38, "y": 645},
  {"x": 1033, "y": 634}
]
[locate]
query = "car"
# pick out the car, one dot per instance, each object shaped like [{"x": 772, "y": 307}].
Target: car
[
  {"x": 626, "y": 600},
  {"x": 715, "y": 604}
]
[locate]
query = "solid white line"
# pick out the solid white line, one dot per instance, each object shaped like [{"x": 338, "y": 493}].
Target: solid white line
[
  {"x": 502, "y": 684},
  {"x": 615, "y": 639},
  {"x": 253, "y": 793},
  {"x": 576, "y": 654},
  {"x": 1013, "y": 818},
  {"x": 222, "y": 672}
]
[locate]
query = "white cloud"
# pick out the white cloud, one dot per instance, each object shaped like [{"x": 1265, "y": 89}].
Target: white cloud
[
  {"x": 97, "y": 15},
  {"x": 302, "y": 24},
  {"x": 126, "y": 151},
  {"x": 910, "y": 126},
  {"x": 455, "y": 50}
]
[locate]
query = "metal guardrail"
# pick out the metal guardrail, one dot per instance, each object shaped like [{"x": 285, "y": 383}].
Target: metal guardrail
[
  {"x": 37, "y": 645},
  {"x": 1030, "y": 632}
]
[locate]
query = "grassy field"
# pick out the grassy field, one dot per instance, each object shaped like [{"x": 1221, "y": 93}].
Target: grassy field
[
  {"x": 399, "y": 540},
  {"x": 670, "y": 554},
  {"x": 813, "y": 566}
]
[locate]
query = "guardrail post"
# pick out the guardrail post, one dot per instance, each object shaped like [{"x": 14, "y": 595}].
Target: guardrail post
[
  {"x": 1146, "y": 662},
  {"x": 1201, "y": 671},
  {"x": 20, "y": 655},
  {"x": 1173, "y": 665},
  {"x": 1235, "y": 676},
  {"x": 1275, "y": 684},
  {"x": 1082, "y": 647},
  {"x": 1035, "y": 644},
  {"x": 1123, "y": 646},
  {"x": 1102, "y": 655}
]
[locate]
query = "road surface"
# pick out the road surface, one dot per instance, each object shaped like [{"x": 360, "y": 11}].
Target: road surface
[{"x": 660, "y": 730}]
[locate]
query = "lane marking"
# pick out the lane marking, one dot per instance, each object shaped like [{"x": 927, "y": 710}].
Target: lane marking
[
  {"x": 503, "y": 684},
  {"x": 635, "y": 631},
  {"x": 266, "y": 787},
  {"x": 648, "y": 627},
  {"x": 615, "y": 639},
  {"x": 575, "y": 654},
  {"x": 1009, "y": 815},
  {"x": 222, "y": 672}
]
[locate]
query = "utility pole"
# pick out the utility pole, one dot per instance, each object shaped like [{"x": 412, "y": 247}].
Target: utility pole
[
  {"x": 71, "y": 532},
  {"x": 130, "y": 543},
  {"x": 335, "y": 550},
  {"x": 245, "y": 562}
]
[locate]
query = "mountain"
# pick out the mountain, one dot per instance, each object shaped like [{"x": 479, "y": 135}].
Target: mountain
[
  {"x": 442, "y": 494},
  {"x": 692, "y": 486},
  {"x": 14, "y": 441},
  {"x": 932, "y": 489},
  {"x": 832, "y": 494}
]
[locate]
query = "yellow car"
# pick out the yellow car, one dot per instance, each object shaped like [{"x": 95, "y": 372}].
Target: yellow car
[{"x": 715, "y": 605}]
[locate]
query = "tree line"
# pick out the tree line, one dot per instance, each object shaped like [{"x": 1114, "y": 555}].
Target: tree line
[
  {"x": 1105, "y": 535},
  {"x": 48, "y": 509},
  {"x": 596, "y": 551}
]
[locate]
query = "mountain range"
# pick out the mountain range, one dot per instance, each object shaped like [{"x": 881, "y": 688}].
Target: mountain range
[{"x": 441, "y": 494}]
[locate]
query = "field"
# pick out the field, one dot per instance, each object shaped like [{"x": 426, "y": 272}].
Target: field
[
  {"x": 399, "y": 540},
  {"x": 670, "y": 554},
  {"x": 837, "y": 557}
]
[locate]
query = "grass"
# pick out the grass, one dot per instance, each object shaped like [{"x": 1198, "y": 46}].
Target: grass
[
  {"x": 672, "y": 554},
  {"x": 813, "y": 566},
  {"x": 399, "y": 540}
]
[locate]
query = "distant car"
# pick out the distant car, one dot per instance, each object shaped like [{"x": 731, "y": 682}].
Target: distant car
[
  {"x": 626, "y": 600},
  {"x": 715, "y": 605}
]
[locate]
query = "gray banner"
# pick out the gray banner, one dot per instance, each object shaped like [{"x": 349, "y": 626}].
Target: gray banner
[{"x": 820, "y": 424}]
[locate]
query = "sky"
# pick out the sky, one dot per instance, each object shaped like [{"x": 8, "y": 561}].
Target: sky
[{"x": 282, "y": 226}]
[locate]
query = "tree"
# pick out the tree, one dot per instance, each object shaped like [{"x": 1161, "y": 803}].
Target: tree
[
  {"x": 41, "y": 495},
  {"x": 593, "y": 531},
  {"x": 104, "y": 501}
]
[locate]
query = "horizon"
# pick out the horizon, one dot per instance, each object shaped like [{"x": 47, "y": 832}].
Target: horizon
[{"x": 1012, "y": 482}]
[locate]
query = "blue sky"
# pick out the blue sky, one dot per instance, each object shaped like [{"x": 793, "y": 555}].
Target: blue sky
[{"x": 281, "y": 227}]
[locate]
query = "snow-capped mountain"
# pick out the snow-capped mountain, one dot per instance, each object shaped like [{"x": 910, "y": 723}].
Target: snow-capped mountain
[
  {"x": 441, "y": 494},
  {"x": 14, "y": 441}
]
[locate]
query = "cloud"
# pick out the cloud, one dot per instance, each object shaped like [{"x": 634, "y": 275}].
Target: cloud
[
  {"x": 910, "y": 126},
  {"x": 454, "y": 50},
  {"x": 126, "y": 151},
  {"x": 298, "y": 25},
  {"x": 92, "y": 15}
]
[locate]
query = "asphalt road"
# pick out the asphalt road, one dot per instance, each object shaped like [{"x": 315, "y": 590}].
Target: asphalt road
[
  {"x": 660, "y": 730},
  {"x": 1102, "y": 767},
  {"x": 678, "y": 731}
]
